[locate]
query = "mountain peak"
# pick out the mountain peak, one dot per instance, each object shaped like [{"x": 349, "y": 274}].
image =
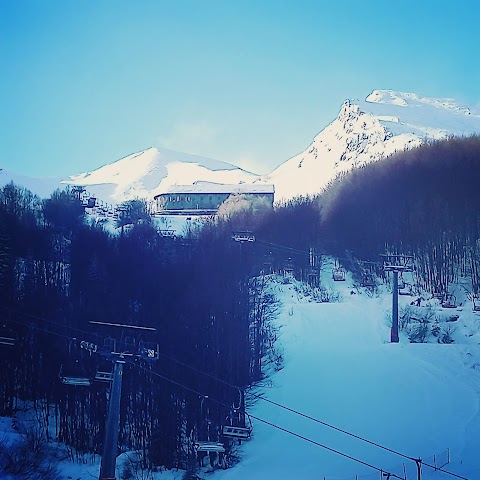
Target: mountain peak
[{"x": 365, "y": 131}]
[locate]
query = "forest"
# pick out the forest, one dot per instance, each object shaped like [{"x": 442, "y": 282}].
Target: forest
[{"x": 203, "y": 298}]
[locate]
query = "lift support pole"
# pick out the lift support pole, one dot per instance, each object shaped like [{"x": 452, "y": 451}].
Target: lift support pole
[
  {"x": 394, "y": 333},
  {"x": 395, "y": 264},
  {"x": 109, "y": 457}
]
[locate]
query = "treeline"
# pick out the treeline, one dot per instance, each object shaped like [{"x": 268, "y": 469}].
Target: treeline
[
  {"x": 424, "y": 202},
  {"x": 202, "y": 293}
]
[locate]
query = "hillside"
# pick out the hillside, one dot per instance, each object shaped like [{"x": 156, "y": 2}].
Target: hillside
[
  {"x": 420, "y": 400},
  {"x": 366, "y": 131}
]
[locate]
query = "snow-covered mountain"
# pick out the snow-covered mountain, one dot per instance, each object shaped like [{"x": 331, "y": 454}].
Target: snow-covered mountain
[
  {"x": 369, "y": 130},
  {"x": 364, "y": 131},
  {"x": 147, "y": 173}
]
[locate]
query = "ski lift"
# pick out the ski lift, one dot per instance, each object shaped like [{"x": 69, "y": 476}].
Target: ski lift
[
  {"x": 7, "y": 337},
  {"x": 204, "y": 444},
  {"x": 243, "y": 236},
  {"x": 476, "y": 303},
  {"x": 268, "y": 263},
  {"x": 449, "y": 301},
  {"x": 104, "y": 374},
  {"x": 74, "y": 377},
  {"x": 109, "y": 345},
  {"x": 312, "y": 277},
  {"x": 368, "y": 280},
  {"x": 406, "y": 289},
  {"x": 129, "y": 344},
  {"x": 167, "y": 233},
  {"x": 338, "y": 274},
  {"x": 209, "y": 447},
  {"x": 148, "y": 351},
  {"x": 401, "y": 282},
  {"x": 238, "y": 424},
  {"x": 288, "y": 268},
  {"x": 74, "y": 373}
]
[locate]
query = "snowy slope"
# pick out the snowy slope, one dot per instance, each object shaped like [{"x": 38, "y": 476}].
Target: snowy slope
[
  {"x": 416, "y": 399},
  {"x": 152, "y": 171},
  {"x": 366, "y": 131}
]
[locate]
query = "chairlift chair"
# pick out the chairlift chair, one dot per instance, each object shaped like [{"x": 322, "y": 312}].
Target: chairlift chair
[
  {"x": 104, "y": 372},
  {"x": 237, "y": 424},
  {"x": 288, "y": 268},
  {"x": 244, "y": 236},
  {"x": 73, "y": 378},
  {"x": 401, "y": 282},
  {"x": 238, "y": 427},
  {"x": 110, "y": 345},
  {"x": 368, "y": 279},
  {"x": 476, "y": 303},
  {"x": 129, "y": 344},
  {"x": 449, "y": 301},
  {"x": 209, "y": 447},
  {"x": 148, "y": 350},
  {"x": 204, "y": 444},
  {"x": 338, "y": 274},
  {"x": 406, "y": 289}
]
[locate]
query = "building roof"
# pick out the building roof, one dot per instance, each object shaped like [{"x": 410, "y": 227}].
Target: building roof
[{"x": 209, "y": 187}]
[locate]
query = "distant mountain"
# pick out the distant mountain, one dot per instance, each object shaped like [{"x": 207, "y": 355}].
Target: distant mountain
[
  {"x": 369, "y": 130},
  {"x": 364, "y": 131},
  {"x": 43, "y": 187},
  {"x": 152, "y": 171}
]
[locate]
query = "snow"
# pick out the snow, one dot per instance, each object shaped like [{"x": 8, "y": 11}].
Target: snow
[
  {"x": 365, "y": 131},
  {"x": 340, "y": 368},
  {"x": 153, "y": 171},
  {"x": 210, "y": 187},
  {"x": 418, "y": 399}
]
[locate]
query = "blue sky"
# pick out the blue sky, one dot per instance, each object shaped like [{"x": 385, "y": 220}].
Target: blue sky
[{"x": 87, "y": 82}]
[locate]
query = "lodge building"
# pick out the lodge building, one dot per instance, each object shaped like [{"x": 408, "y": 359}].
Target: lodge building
[{"x": 206, "y": 197}]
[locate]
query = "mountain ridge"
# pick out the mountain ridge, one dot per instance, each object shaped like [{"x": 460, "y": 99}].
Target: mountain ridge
[{"x": 364, "y": 131}]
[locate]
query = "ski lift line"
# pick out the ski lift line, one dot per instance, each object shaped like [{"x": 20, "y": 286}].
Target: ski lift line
[
  {"x": 308, "y": 417},
  {"x": 290, "y": 432},
  {"x": 303, "y": 252},
  {"x": 99, "y": 351},
  {"x": 135, "y": 327},
  {"x": 260, "y": 397},
  {"x": 291, "y": 410}
]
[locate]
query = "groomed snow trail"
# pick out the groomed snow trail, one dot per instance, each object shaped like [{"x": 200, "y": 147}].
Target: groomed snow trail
[{"x": 341, "y": 369}]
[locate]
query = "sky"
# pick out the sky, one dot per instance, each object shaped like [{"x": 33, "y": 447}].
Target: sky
[{"x": 86, "y": 82}]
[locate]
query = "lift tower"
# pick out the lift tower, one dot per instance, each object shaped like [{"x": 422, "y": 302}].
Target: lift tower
[
  {"x": 395, "y": 264},
  {"x": 128, "y": 347}
]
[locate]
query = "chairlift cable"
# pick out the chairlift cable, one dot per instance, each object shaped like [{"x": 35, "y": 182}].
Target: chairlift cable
[
  {"x": 278, "y": 427},
  {"x": 260, "y": 397},
  {"x": 308, "y": 417}
]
